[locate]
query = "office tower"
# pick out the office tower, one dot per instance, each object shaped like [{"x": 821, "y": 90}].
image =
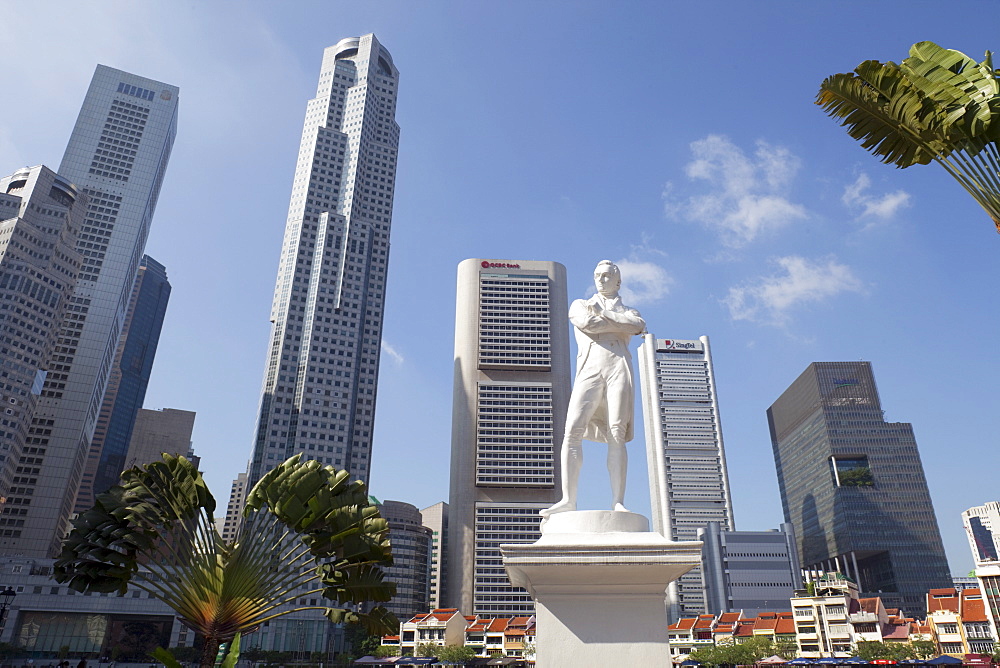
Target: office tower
[
  {"x": 982, "y": 524},
  {"x": 411, "y": 559},
  {"x": 854, "y": 487},
  {"x": 688, "y": 481},
  {"x": 318, "y": 394},
  {"x": 511, "y": 390},
  {"x": 435, "y": 518},
  {"x": 230, "y": 524},
  {"x": 40, "y": 217},
  {"x": 117, "y": 154},
  {"x": 167, "y": 430},
  {"x": 127, "y": 383},
  {"x": 749, "y": 571}
]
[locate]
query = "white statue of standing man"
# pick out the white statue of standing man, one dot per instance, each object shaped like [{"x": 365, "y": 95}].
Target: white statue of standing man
[{"x": 601, "y": 404}]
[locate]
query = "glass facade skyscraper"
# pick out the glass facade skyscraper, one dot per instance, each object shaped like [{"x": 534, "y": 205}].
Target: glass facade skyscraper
[
  {"x": 117, "y": 155},
  {"x": 127, "y": 384},
  {"x": 319, "y": 388},
  {"x": 853, "y": 486}
]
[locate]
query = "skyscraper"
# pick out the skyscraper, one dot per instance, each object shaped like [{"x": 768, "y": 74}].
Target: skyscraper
[
  {"x": 127, "y": 384},
  {"x": 511, "y": 390},
  {"x": 689, "y": 483},
  {"x": 318, "y": 394},
  {"x": 411, "y": 559},
  {"x": 435, "y": 518},
  {"x": 40, "y": 217},
  {"x": 117, "y": 154},
  {"x": 982, "y": 524},
  {"x": 853, "y": 486}
]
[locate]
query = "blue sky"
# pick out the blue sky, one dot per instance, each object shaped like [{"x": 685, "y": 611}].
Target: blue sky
[{"x": 677, "y": 138}]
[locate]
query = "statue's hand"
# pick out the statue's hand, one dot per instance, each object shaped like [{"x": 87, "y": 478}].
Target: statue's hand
[{"x": 596, "y": 308}]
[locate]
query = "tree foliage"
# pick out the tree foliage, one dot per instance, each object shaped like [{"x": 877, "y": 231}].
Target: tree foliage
[
  {"x": 307, "y": 530},
  {"x": 730, "y": 653},
  {"x": 871, "y": 650},
  {"x": 456, "y": 654},
  {"x": 427, "y": 649},
  {"x": 937, "y": 105}
]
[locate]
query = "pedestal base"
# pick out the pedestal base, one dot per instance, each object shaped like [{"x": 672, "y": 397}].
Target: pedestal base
[{"x": 599, "y": 579}]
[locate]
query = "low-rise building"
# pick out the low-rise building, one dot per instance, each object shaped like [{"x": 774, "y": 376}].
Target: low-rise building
[{"x": 443, "y": 626}]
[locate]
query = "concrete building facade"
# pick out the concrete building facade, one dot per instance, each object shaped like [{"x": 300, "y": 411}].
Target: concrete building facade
[
  {"x": 40, "y": 218},
  {"x": 749, "y": 571},
  {"x": 117, "y": 154},
  {"x": 512, "y": 387},
  {"x": 853, "y": 486},
  {"x": 319, "y": 388},
  {"x": 230, "y": 524},
  {"x": 689, "y": 482},
  {"x": 435, "y": 518},
  {"x": 167, "y": 430}
]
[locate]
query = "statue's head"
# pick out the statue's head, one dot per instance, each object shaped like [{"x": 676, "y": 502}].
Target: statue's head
[{"x": 607, "y": 278}]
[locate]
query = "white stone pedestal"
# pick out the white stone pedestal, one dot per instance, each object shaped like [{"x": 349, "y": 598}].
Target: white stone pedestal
[{"x": 599, "y": 581}]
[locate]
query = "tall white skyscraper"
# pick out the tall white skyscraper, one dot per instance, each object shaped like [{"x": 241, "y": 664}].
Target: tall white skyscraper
[
  {"x": 117, "y": 155},
  {"x": 318, "y": 393},
  {"x": 982, "y": 524},
  {"x": 435, "y": 518},
  {"x": 40, "y": 217},
  {"x": 511, "y": 390},
  {"x": 689, "y": 485}
]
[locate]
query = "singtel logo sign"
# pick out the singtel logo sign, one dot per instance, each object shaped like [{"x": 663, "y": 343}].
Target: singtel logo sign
[{"x": 669, "y": 344}]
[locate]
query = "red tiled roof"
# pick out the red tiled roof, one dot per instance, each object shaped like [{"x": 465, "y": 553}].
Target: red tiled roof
[
  {"x": 514, "y": 632},
  {"x": 704, "y": 622},
  {"x": 946, "y": 604},
  {"x": 895, "y": 632},
  {"x": 869, "y": 604},
  {"x": 973, "y": 610},
  {"x": 785, "y": 626},
  {"x": 765, "y": 623},
  {"x": 729, "y": 617},
  {"x": 498, "y": 624},
  {"x": 390, "y": 637},
  {"x": 745, "y": 628},
  {"x": 683, "y": 624}
]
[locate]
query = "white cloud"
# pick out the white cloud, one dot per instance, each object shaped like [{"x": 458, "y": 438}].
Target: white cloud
[
  {"x": 396, "y": 356},
  {"x": 748, "y": 193},
  {"x": 856, "y": 197},
  {"x": 770, "y": 298},
  {"x": 643, "y": 282}
]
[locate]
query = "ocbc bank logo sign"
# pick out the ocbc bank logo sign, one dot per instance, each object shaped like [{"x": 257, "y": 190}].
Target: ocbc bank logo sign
[{"x": 486, "y": 264}]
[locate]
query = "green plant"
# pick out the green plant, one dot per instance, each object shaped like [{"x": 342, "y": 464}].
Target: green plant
[
  {"x": 383, "y": 651},
  {"x": 937, "y": 105},
  {"x": 307, "y": 530},
  {"x": 456, "y": 654}
]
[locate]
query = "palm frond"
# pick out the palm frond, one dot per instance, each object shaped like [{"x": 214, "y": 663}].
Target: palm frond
[{"x": 938, "y": 105}]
